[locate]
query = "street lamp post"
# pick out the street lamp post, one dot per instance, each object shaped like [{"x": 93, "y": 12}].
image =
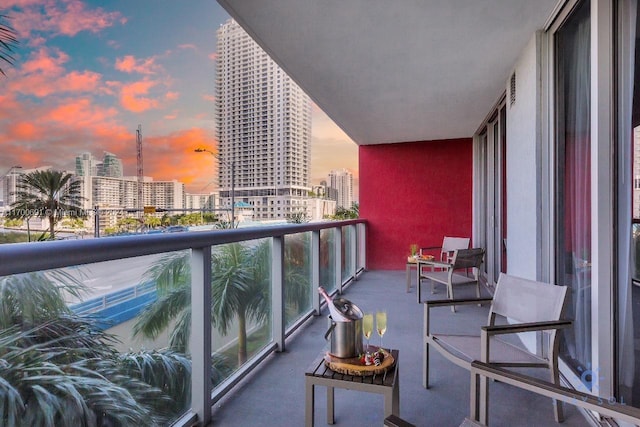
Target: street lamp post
[{"x": 233, "y": 182}]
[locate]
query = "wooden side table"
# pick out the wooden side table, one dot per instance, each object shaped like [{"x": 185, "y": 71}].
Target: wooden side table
[{"x": 387, "y": 384}]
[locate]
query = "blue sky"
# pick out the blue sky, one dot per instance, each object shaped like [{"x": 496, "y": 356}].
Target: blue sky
[{"x": 87, "y": 73}]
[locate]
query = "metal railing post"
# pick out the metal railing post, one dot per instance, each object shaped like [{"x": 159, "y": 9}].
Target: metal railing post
[
  {"x": 315, "y": 270},
  {"x": 362, "y": 243},
  {"x": 353, "y": 250},
  {"x": 201, "y": 333},
  {"x": 337, "y": 244},
  {"x": 277, "y": 291}
]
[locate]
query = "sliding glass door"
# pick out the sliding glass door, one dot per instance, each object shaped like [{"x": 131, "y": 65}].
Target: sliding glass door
[{"x": 573, "y": 182}]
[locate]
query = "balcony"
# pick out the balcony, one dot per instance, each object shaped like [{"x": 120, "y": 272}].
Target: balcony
[
  {"x": 275, "y": 394},
  {"x": 266, "y": 387}
]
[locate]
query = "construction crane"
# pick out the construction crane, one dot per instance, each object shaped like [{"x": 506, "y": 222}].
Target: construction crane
[{"x": 140, "y": 172}]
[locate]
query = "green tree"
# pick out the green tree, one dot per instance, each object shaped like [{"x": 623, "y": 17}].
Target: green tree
[
  {"x": 47, "y": 194},
  {"x": 239, "y": 287},
  {"x": 343, "y": 213},
  {"x": 152, "y": 221},
  {"x": 57, "y": 368},
  {"x": 8, "y": 42}
]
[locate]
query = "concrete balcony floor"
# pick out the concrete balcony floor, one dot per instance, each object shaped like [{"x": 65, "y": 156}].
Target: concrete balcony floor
[{"x": 275, "y": 396}]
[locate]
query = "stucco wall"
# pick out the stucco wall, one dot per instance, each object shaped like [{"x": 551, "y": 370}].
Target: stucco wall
[
  {"x": 414, "y": 193},
  {"x": 522, "y": 170}
]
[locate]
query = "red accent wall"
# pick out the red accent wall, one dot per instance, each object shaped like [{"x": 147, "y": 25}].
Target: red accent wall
[{"x": 415, "y": 192}]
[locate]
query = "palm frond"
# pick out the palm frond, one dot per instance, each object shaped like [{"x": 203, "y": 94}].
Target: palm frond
[
  {"x": 180, "y": 335},
  {"x": 172, "y": 270},
  {"x": 8, "y": 42},
  {"x": 32, "y": 298},
  {"x": 157, "y": 316}
]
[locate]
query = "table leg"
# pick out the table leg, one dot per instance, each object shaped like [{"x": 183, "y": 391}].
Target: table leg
[
  {"x": 418, "y": 282},
  {"x": 330, "y": 408},
  {"x": 408, "y": 273},
  {"x": 309, "y": 409},
  {"x": 392, "y": 399}
]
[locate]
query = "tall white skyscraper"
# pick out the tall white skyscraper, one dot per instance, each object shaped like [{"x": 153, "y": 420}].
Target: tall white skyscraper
[
  {"x": 264, "y": 128},
  {"x": 341, "y": 187}
]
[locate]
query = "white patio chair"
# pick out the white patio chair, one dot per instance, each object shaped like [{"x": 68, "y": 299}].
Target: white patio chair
[
  {"x": 448, "y": 273},
  {"x": 530, "y": 306},
  {"x": 449, "y": 245}
]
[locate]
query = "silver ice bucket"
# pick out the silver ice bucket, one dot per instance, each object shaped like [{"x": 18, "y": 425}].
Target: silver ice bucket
[{"x": 345, "y": 336}]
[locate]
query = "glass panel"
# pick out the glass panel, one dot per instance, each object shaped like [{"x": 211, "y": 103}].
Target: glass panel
[
  {"x": 327, "y": 259},
  {"x": 573, "y": 187},
  {"x": 241, "y": 300},
  {"x": 347, "y": 264},
  {"x": 297, "y": 277},
  {"x": 92, "y": 313}
]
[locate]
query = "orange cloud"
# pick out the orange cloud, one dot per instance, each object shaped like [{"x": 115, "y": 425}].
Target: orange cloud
[
  {"x": 129, "y": 64},
  {"x": 59, "y": 17},
  {"x": 80, "y": 113},
  {"x": 43, "y": 74},
  {"x": 132, "y": 96},
  {"x": 173, "y": 156},
  {"x": 213, "y": 56},
  {"x": 172, "y": 96},
  {"x": 24, "y": 131},
  {"x": 45, "y": 62}
]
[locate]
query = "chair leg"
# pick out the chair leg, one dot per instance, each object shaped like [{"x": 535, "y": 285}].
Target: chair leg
[
  {"x": 558, "y": 412},
  {"x": 425, "y": 366},
  {"x": 450, "y": 295}
]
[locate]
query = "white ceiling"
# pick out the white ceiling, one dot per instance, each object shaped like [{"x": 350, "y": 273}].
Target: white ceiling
[{"x": 396, "y": 70}]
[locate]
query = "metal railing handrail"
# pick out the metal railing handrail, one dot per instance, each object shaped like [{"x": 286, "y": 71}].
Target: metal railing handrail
[
  {"x": 20, "y": 258},
  {"x": 16, "y": 258}
]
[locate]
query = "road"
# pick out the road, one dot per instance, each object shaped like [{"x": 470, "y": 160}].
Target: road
[{"x": 107, "y": 277}]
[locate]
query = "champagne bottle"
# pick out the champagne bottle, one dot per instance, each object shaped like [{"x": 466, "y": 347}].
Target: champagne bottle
[{"x": 336, "y": 314}]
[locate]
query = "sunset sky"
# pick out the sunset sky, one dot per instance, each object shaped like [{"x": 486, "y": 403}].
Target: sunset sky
[{"x": 87, "y": 73}]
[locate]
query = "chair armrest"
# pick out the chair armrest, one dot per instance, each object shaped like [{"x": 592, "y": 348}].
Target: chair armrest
[
  {"x": 525, "y": 327},
  {"x": 428, "y": 305},
  {"x": 487, "y": 331},
  {"x": 449, "y": 302},
  {"x": 432, "y": 247}
]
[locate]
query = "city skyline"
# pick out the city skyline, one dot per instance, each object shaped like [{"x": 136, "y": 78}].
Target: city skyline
[{"x": 85, "y": 76}]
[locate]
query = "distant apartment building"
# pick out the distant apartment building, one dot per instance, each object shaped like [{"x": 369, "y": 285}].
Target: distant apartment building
[
  {"x": 204, "y": 202},
  {"x": 320, "y": 208},
  {"x": 122, "y": 193},
  {"x": 111, "y": 166},
  {"x": 340, "y": 184},
  {"x": 264, "y": 129}
]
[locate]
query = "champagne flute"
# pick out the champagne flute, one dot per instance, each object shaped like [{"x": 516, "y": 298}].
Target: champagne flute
[
  {"x": 381, "y": 324},
  {"x": 367, "y": 327}
]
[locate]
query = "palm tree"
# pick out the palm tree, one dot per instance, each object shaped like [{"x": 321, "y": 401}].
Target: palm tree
[
  {"x": 297, "y": 272},
  {"x": 239, "y": 287},
  {"x": 57, "y": 368},
  {"x": 8, "y": 42},
  {"x": 47, "y": 194}
]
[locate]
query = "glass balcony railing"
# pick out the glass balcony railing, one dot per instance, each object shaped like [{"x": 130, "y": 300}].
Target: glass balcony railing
[{"x": 158, "y": 326}]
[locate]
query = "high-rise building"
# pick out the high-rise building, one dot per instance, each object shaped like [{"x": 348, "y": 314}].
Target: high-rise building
[
  {"x": 86, "y": 165},
  {"x": 341, "y": 187},
  {"x": 111, "y": 166},
  {"x": 203, "y": 201},
  {"x": 264, "y": 129}
]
